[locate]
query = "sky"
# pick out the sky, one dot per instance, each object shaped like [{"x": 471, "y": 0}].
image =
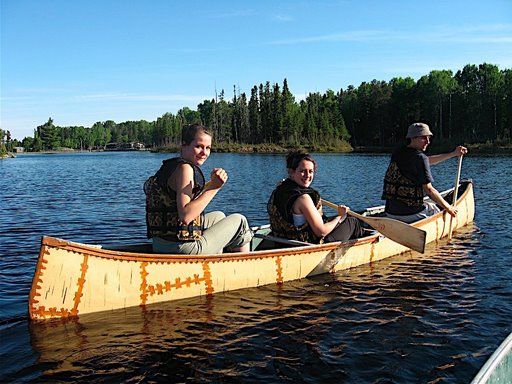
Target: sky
[{"x": 80, "y": 62}]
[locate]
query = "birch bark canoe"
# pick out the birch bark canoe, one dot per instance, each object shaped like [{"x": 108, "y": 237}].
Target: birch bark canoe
[{"x": 72, "y": 278}]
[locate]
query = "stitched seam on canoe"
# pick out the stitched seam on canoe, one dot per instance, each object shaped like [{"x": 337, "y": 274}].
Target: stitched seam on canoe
[
  {"x": 143, "y": 284},
  {"x": 40, "y": 311},
  {"x": 80, "y": 284},
  {"x": 279, "y": 270}
]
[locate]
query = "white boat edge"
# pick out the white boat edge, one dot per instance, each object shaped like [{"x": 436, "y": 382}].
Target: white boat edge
[{"x": 489, "y": 368}]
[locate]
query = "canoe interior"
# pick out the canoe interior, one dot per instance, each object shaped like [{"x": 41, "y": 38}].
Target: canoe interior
[
  {"x": 72, "y": 279},
  {"x": 260, "y": 243}
]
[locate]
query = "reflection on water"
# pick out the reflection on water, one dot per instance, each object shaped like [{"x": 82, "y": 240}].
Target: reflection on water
[
  {"x": 413, "y": 318},
  {"x": 392, "y": 320}
]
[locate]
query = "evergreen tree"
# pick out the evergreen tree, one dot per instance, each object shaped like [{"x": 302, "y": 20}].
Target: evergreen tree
[
  {"x": 49, "y": 135},
  {"x": 265, "y": 113},
  {"x": 276, "y": 120},
  {"x": 505, "y": 108},
  {"x": 402, "y": 108},
  {"x": 288, "y": 124},
  {"x": 254, "y": 117}
]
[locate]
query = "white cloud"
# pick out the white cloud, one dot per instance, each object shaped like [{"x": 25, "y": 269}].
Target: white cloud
[
  {"x": 480, "y": 34},
  {"x": 140, "y": 97}
]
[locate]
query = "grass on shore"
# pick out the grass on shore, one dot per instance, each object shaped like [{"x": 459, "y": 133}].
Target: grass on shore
[
  {"x": 336, "y": 146},
  {"x": 487, "y": 148},
  {"x": 344, "y": 147}
]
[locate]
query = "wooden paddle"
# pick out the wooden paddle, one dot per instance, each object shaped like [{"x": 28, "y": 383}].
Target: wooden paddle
[
  {"x": 455, "y": 192},
  {"x": 396, "y": 230}
]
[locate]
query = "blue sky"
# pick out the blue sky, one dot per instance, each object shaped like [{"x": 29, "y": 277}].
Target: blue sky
[{"x": 80, "y": 62}]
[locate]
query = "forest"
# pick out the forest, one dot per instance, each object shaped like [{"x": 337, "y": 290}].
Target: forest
[{"x": 474, "y": 105}]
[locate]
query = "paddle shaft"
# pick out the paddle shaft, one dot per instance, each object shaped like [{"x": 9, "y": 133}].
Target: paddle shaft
[
  {"x": 397, "y": 231},
  {"x": 455, "y": 193},
  {"x": 351, "y": 213}
]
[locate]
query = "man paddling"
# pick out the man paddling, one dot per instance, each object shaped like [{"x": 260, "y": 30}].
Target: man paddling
[{"x": 408, "y": 178}]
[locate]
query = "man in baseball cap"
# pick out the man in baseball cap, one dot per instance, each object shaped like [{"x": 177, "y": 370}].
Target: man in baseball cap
[{"x": 409, "y": 178}]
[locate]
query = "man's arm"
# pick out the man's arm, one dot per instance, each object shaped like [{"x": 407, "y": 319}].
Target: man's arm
[
  {"x": 434, "y": 194},
  {"x": 436, "y": 159}
]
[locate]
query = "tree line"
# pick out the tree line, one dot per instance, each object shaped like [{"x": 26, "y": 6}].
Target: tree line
[{"x": 474, "y": 105}]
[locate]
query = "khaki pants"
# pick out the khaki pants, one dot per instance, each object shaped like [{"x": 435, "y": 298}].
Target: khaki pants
[
  {"x": 430, "y": 209},
  {"x": 221, "y": 234}
]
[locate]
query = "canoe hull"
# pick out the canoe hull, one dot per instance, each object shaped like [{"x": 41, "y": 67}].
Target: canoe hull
[{"x": 73, "y": 279}]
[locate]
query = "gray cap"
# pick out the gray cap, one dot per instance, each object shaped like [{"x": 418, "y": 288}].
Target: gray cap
[{"x": 418, "y": 129}]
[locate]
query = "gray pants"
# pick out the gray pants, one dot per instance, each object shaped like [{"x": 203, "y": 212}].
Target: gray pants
[
  {"x": 430, "y": 209},
  {"x": 221, "y": 233}
]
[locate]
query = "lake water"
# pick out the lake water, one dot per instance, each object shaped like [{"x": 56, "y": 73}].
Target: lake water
[{"x": 432, "y": 318}]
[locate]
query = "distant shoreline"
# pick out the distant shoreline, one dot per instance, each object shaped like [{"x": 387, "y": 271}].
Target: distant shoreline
[{"x": 481, "y": 149}]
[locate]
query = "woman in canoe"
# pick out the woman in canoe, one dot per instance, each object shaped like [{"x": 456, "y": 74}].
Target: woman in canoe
[
  {"x": 295, "y": 209},
  {"x": 176, "y": 197}
]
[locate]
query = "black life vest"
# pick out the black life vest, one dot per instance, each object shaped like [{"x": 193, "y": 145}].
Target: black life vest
[
  {"x": 399, "y": 187},
  {"x": 162, "y": 210},
  {"x": 279, "y": 208}
]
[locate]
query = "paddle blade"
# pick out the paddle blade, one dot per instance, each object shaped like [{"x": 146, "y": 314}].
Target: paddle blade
[{"x": 397, "y": 230}]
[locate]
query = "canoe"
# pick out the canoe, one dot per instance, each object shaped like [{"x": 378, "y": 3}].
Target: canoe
[
  {"x": 498, "y": 368},
  {"x": 73, "y": 279}
]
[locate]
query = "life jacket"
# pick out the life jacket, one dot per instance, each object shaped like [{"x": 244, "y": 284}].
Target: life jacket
[
  {"x": 399, "y": 187},
  {"x": 161, "y": 207},
  {"x": 279, "y": 208}
]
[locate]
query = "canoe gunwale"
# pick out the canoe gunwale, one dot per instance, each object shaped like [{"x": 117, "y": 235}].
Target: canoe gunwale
[
  {"x": 461, "y": 200},
  {"x": 95, "y": 250},
  {"x": 98, "y": 251},
  {"x": 48, "y": 241}
]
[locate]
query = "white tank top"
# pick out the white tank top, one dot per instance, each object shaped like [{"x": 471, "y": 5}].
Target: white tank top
[{"x": 298, "y": 219}]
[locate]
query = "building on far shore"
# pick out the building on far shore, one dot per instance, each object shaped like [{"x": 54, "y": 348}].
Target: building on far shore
[
  {"x": 133, "y": 146},
  {"x": 18, "y": 149}
]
